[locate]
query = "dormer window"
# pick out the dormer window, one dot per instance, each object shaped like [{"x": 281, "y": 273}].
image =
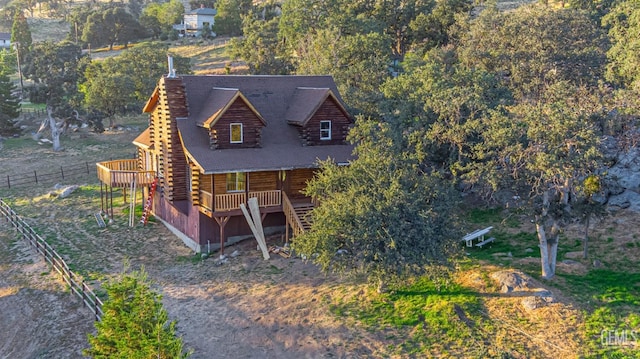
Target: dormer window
[
  {"x": 325, "y": 130},
  {"x": 236, "y": 133}
]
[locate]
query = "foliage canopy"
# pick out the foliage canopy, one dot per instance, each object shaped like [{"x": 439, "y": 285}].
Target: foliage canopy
[{"x": 134, "y": 324}]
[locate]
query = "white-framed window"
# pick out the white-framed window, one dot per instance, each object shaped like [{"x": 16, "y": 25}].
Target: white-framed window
[
  {"x": 236, "y": 182},
  {"x": 325, "y": 130},
  {"x": 236, "y": 132}
]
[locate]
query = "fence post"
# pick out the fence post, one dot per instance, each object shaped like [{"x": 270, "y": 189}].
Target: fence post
[
  {"x": 62, "y": 172},
  {"x": 84, "y": 293},
  {"x": 87, "y": 163}
]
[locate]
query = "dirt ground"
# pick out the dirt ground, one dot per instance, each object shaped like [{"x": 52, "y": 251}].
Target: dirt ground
[{"x": 244, "y": 308}]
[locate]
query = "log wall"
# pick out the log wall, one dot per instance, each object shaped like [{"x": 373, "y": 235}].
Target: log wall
[
  {"x": 172, "y": 104},
  {"x": 238, "y": 112},
  {"x": 206, "y": 183},
  {"x": 219, "y": 183},
  {"x": 328, "y": 111},
  {"x": 263, "y": 181},
  {"x": 297, "y": 181}
]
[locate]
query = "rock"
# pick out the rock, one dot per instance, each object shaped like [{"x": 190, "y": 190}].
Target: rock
[
  {"x": 597, "y": 263},
  {"x": 600, "y": 198},
  {"x": 234, "y": 254},
  {"x": 67, "y": 191},
  {"x": 628, "y": 199},
  {"x": 609, "y": 147},
  {"x": 573, "y": 255},
  {"x": 570, "y": 262},
  {"x": 532, "y": 303},
  {"x": 612, "y": 187},
  {"x": 628, "y": 178},
  {"x": 543, "y": 293},
  {"x": 528, "y": 250},
  {"x": 511, "y": 281}
]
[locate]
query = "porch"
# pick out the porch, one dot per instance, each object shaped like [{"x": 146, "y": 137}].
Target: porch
[
  {"x": 296, "y": 210},
  {"x": 232, "y": 201},
  {"x": 121, "y": 173}
]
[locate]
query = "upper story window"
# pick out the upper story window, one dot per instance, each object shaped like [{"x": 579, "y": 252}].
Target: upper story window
[
  {"x": 325, "y": 130},
  {"x": 236, "y": 182},
  {"x": 236, "y": 133}
]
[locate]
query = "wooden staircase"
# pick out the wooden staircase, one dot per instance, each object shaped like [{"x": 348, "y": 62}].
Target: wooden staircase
[
  {"x": 297, "y": 215},
  {"x": 302, "y": 212}
]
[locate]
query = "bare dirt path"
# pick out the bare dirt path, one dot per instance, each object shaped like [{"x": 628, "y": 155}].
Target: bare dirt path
[{"x": 38, "y": 317}]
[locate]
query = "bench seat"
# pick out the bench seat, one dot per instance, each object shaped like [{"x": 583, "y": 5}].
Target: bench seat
[{"x": 488, "y": 240}]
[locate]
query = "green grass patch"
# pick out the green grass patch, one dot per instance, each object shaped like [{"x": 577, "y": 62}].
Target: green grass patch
[
  {"x": 485, "y": 215},
  {"x": 427, "y": 316},
  {"x": 612, "y": 302},
  {"x": 603, "y": 287},
  {"x": 17, "y": 143},
  {"x": 505, "y": 243}
]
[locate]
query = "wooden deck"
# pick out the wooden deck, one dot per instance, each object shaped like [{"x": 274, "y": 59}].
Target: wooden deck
[
  {"x": 232, "y": 201},
  {"x": 121, "y": 173}
]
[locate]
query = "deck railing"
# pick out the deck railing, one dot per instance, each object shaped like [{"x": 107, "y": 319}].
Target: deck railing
[
  {"x": 291, "y": 216},
  {"x": 119, "y": 173},
  {"x": 232, "y": 201},
  {"x": 267, "y": 198},
  {"x": 206, "y": 200}
]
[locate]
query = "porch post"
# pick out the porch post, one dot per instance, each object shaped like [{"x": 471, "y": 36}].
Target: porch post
[
  {"x": 222, "y": 222},
  {"x": 111, "y": 199}
]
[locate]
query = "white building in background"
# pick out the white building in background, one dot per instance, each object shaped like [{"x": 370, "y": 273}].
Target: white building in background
[
  {"x": 5, "y": 40},
  {"x": 195, "y": 20}
]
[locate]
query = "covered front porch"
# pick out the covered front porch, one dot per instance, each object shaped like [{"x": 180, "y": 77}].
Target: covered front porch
[{"x": 231, "y": 201}]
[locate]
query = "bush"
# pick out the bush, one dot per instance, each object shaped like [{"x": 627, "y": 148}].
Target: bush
[{"x": 134, "y": 324}]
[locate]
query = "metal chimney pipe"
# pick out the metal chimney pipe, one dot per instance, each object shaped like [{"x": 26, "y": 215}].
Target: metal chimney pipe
[{"x": 172, "y": 71}]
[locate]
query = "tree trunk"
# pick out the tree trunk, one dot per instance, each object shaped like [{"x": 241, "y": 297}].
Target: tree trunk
[
  {"x": 552, "y": 241},
  {"x": 548, "y": 246},
  {"x": 545, "y": 246},
  {"x": 585, "y": 241},
  {"x": 55, "y": 131}
]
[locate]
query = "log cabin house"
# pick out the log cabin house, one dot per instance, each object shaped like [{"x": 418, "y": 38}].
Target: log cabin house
[{"x": 215, "y": 141}]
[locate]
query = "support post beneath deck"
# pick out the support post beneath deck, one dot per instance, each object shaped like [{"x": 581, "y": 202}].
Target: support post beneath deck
[{"x": 222, "y": 222}]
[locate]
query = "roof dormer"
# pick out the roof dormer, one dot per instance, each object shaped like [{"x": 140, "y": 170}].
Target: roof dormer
[
  {"x": 231, "y": 120},
  {"x": 319, "y": 116}
]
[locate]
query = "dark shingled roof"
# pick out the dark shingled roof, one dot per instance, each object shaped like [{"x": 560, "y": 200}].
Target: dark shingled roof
[
  {"x": 304, "y": 103},
  {"x": 218, "y": 99},
  {"x": 276, "y": 99}
]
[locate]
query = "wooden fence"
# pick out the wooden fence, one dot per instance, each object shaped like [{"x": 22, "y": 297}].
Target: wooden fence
[
  {"x": 50, "y": 176},
  {"x": 77, "y": 284}
]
